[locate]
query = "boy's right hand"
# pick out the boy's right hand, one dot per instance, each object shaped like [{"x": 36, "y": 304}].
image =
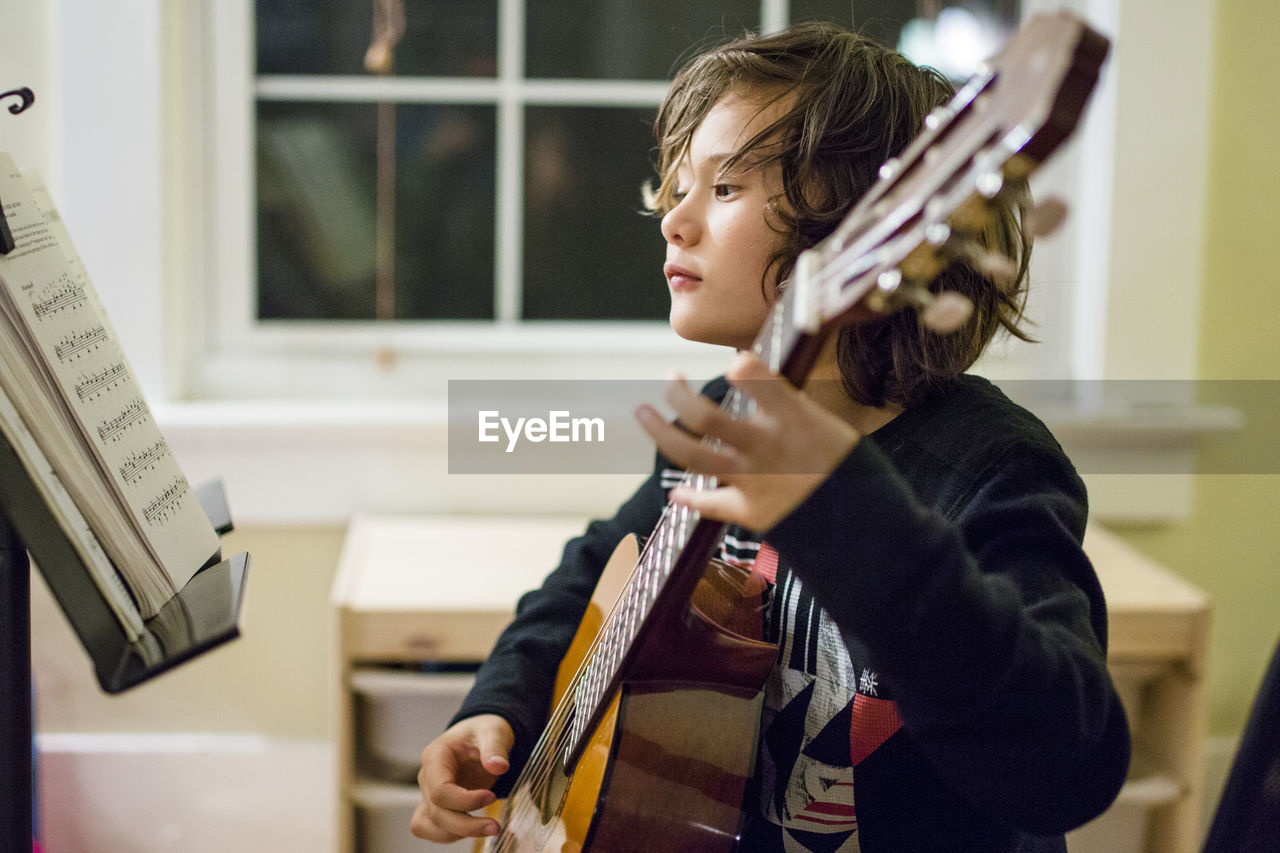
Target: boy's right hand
[{"x": 458, "y": 770}]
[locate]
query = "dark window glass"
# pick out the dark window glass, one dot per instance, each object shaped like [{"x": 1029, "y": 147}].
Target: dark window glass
[
  {"x": 621, "y": 39},
  {"x": 925, "y": 29},
  {"x": 588, "y": 250},
  {"x": 881, "y": 20},
  {"x": 317, "y": 202},
  {"x": 445, "y": 212},
  {"x": 442, "y": 38}
]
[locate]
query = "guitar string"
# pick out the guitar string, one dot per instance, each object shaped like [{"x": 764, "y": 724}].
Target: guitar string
[
  {"x": 553, "y": 741},
  {"x": 526, "y": 809},
  {"x": 540, "y": 763}
]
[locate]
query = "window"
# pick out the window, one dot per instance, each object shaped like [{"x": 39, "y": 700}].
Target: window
[{"x": 481, "y": 197}]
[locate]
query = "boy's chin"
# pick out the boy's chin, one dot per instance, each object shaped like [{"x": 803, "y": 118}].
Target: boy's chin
[{"x": 697, "y": 333}]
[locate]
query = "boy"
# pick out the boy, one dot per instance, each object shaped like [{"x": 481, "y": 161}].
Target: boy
[{"x": 941, "y": 680}]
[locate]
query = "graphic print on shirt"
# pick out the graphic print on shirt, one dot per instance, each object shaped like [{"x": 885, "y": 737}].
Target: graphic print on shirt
[{"x": 812, "y": 735}]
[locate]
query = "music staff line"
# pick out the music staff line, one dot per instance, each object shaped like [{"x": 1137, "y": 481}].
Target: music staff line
[
  {"x": 72, "y": 345},
  {"x": 67, "y": 296},
  {"x": 131, "y": 414},
  {"x": 167, "y": 500},
  {"x": 98, "y": 381},
  {"x": 137, "y": 463}
]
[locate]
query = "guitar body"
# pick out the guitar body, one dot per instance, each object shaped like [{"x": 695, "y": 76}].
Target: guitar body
[{"x": 665, "y": 768}]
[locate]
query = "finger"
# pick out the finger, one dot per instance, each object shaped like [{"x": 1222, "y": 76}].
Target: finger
[
  {"x": 746, "y": 366},
  {"x": 726, "y": 503},
  {"x": 423, "y": 826},
  {"x": 438, "y": 780},
  {"x": 754, "y": 378},
  {"x": 703, "y": 417},
  {"x": 494, "y": 743},
  {"x": 445, "y": 827},
  {"x": 454, "y": 797},
  {"x": 688, "y": 451}
]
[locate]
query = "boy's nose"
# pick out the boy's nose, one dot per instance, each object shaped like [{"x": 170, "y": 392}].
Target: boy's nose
[{"x": 678, "y": 228}]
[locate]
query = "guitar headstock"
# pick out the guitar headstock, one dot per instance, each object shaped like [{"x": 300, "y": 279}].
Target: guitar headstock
[{"x": 912, "y": 223}]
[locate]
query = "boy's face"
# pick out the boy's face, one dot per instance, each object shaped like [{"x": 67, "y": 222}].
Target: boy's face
[{"x": 718, "y": 238}]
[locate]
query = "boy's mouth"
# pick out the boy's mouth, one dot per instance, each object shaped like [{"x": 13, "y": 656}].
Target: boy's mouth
[{"x": 679, "y": 277}]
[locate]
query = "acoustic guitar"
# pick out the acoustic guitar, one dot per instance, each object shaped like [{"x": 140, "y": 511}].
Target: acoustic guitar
[{"x": 652, "y": 735}]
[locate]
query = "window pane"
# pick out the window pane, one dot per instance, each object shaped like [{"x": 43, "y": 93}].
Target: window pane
[
  {"x": 444, "y": 212},
  {"x": 316, "y": 226},
  {"x": 618, "y": 39},
  {"x": 444, "y": 38},
  {"x": 877, "y": 19},
  {"x": 317, "y": 202},
  {"x": 954, "y": 39},
  {"x": 588, "y": 250}
]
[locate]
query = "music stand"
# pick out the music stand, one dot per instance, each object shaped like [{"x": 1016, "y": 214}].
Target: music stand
[{"x": 204, "y": 614}]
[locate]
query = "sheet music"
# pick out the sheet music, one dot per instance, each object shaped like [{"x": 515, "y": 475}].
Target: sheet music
[
  {"x": 74, "y": 348},
  {"x": 70, "y": 519}
]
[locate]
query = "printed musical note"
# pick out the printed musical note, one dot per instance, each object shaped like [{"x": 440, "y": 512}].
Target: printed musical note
[
  {"x": 101, "y": 381},
  {"x": 65, "y": 295},
  {"x": 133, "y": 413},
  {"x": 79, "y": 342},
  {"x": 167, "y": 502},
  {"x": 137, "y": 464}
]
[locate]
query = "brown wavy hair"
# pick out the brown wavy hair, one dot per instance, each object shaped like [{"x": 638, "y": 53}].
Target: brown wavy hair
[{"x": 849, "y": 104}]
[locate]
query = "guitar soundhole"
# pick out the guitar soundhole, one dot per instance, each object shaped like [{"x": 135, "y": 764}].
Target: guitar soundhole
[{"x": 549, "y": 791}]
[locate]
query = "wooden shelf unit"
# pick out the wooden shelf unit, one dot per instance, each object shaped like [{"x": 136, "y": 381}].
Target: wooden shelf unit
[
  {"x": 415, "y": 594},
  {"x": 1158, "y": 654}
]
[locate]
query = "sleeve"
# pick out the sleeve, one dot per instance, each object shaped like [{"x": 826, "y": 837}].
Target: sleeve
[
  {"x": 517, "y": 680},
  {"x": 988, "y": 625}
]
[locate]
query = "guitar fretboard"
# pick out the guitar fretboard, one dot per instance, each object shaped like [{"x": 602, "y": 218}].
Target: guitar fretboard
[{"x": 657, "y": 562}]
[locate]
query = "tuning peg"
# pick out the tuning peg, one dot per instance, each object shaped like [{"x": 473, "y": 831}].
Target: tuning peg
[
  {"x": 1044, "y": 218},
  {"x": 942, "y": 312},
  {"x": 959, "y": 246},
  {"x": 995, "y": 266},
  {"x": 945, "y": 312}
]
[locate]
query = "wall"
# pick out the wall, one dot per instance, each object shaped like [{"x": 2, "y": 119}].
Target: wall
[
  {"x": 1230, "y": 545},
  {"x": 25, "y": 60},
  {"x": 273, "y": 680}
]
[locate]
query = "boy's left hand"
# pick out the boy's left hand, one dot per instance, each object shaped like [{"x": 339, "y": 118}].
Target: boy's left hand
[{"x": 767, "y": 463}]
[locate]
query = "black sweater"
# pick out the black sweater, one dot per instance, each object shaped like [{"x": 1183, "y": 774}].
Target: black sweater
[{"x": 946, "y": 547}]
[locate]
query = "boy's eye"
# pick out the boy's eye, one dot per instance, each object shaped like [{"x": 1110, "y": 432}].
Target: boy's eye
[{"x": 724, "y": 190}]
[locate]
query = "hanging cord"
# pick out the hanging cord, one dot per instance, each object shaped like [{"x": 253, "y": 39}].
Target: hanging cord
[{"x": 388, "y": 29}]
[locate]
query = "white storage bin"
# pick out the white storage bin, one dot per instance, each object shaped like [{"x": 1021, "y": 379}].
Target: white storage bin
[
  {"x": 397, "y": 713},
  {"x": 383, "y": 812}
]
